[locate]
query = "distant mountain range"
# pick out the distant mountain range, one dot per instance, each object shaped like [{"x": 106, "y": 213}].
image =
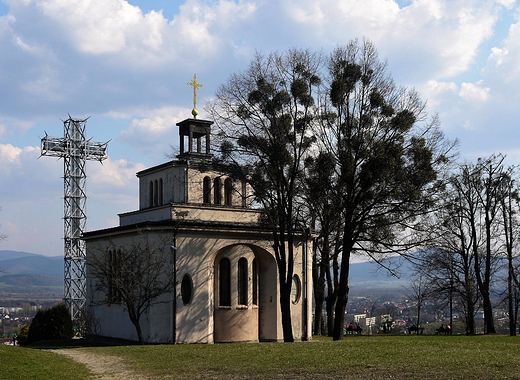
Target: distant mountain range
[
  {"x": 370, "y": 278},
  {"x": 30, "y": 276},
  {"x": 24, "y": 273},
  {"x": 13, "y": 262}
]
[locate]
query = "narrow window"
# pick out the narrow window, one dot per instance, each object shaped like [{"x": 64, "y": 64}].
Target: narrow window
[
  {"x": 228, "y": 191},
  {"x": 110, "y": 261},
  {"x": 150, "y": 194},
  {"x": 186, "y": 289},
  {"x": 255, "y": 282},
  {"x": 114, "y": 271},
  {"x": 242, "y": 281},
  {"x": 160, "y": 192},
  {"x": 225, "y": 282},
  {"x": 155, "y": 194},
  {"x": 119, "y": 274},
  {"x": 206, "y": 190},
  {"x": 217, "y": 191}
]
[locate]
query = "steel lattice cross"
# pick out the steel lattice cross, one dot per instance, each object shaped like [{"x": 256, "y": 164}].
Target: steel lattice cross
[{"x": 75, "y": 151}]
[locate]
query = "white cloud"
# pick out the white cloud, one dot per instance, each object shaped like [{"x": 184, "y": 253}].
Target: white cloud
[
  {"x": 113, "y": 175},
  {"x": 155, "y": 130},
  {"x": 427, "y": 39},
  {"x": 12, "y": 158},
  {"x": 118, "y": 29},
  {"x": 9, "y": 153},
  {"x": 503, "y": 62},
  {"x": 434, "y": 91},
  {"x": 474, "y": 92}
]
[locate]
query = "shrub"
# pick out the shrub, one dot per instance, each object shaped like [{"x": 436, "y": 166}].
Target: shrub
[
  {"x": 53, "y": 323},
  {"x": 23, "y": 335}
]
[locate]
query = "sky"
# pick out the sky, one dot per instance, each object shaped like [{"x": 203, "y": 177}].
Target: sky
[{"x": 126, "y": 65}]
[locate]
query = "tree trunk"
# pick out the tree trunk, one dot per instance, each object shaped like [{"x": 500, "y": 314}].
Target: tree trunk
[
  {"x": 418, "y": 317},
  {"x": 511, "y": 309},
  {"x": 339, "y": 312},
  {"x": 318, "y": 274},
  {"x": 135, "y": 322},
  {"x": 318, "y": 316},
  {"x": 342, "y": 299},
  {"x": 489, "y": 326},
  {"x": 285, "y": 306},
  {"x": 330, "y": 303},
  {"x": 470, "y": 315}
]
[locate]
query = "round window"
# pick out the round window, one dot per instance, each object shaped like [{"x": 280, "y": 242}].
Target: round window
[
  {"x": 296, "y": 289},
  {"x": 186, "y": 289}
]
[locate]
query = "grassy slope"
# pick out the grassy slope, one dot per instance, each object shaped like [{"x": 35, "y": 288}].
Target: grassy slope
[
  {"x": 376, "y": 357},
  {"x": 28, "y": 364},
  {"x": 357, "y": 357}
]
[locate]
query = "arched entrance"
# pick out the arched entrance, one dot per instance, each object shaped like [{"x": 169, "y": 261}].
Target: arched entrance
[{"x": 245, "y": 295}]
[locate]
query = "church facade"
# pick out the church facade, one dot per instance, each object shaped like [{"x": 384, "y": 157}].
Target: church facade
[{"x": 227, "y": 286}]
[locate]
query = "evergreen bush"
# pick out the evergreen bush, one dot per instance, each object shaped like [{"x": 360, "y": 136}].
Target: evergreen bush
[
  {"x": 53, "y": 323},
  {"x": 23, "y": 336}
]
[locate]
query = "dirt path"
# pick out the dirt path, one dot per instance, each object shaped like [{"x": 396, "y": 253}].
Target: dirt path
[{"x": 102, "y": 366}]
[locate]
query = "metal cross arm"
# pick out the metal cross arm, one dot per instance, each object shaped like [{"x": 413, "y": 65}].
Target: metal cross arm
[{"x": 60, "y": 147}]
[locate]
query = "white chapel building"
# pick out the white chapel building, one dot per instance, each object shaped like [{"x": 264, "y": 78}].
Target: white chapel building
[{"x": 227, "y": 278}]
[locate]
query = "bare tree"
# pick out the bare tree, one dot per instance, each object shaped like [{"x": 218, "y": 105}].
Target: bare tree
[
  {"x": 134, "y": 275},
  {"x": 263, "y": 119},
  {"x": 418, "y": 291},
  {"x": 509, "y": 202},
  {"x": 323, "y": 206},
  {"x": 485, "y": 179},
  {"x": 389, "y": 159}
]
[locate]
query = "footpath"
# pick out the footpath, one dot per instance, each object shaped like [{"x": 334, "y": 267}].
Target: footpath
[{"x": 103, "y": 367}]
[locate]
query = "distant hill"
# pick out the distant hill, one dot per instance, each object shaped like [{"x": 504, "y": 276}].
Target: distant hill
[
  {"x": 31, "y": 286},
  {"x": 30, "y": 276},
  {"x": 24, "y": 272},
  {"x": 370, "y": 278},
  {"x": 6, "y": 255},
  {"x": 12, "y": 262}
]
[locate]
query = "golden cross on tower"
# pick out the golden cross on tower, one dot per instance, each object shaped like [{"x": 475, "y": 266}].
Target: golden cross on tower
[{"x": 194, "y": 112}]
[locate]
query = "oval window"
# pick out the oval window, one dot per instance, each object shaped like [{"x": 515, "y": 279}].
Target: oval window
[
  {"x": 296, "y": 289},
  {"x": 186, "y": 289}
]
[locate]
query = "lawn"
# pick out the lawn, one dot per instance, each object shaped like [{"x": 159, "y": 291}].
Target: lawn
[
  {"x": 19, "y": 363},
  {"x": 356, "y": 357}
]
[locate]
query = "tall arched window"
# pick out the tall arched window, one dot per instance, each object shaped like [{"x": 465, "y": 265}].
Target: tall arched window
[
  {"x": 217, "y": 199},
  {"x": 242, "y": 281},
  {"x": 206, "y": 190},
  {"x": 114, "y": 272},
  {"x": 225, "y": 282},
  {"x": 155, "y": 193},
  {"x": 228, "y": 191},
  {"x": 160, "y": 192},
  {"x": 150, "y": 194},
  {"x": 255, "y": 282}
]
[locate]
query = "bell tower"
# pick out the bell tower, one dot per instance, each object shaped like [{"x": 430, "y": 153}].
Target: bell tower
[{"x": 196, "y": 135}]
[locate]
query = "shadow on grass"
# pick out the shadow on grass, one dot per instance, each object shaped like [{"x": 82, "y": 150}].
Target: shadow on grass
[{"x": 77, "y": 343}]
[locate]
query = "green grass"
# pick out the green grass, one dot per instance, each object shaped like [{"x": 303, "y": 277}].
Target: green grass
[
  {"x": 27, "y": 364},
  {"x": 356, "y": 357}
]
